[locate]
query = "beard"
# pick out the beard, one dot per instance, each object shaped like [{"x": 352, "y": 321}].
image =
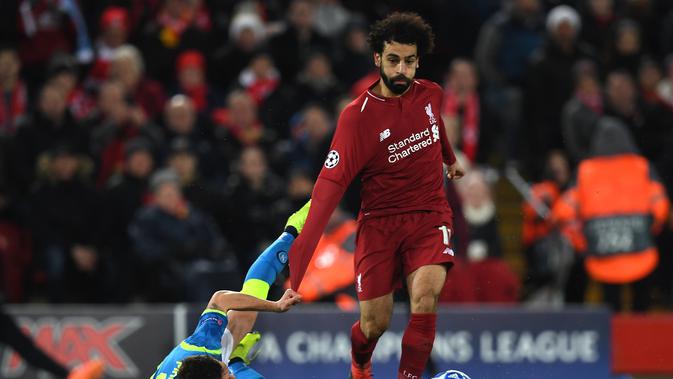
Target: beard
[{"x": 393, "y": 84}]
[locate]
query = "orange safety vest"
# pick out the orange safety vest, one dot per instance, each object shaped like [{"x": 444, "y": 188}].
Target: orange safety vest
[
  {"x": 331, "y": 267},
  {"x": 619, "y": 206}
]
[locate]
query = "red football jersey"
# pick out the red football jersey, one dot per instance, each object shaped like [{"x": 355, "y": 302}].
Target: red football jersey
[{"x": 397, "y": 145}]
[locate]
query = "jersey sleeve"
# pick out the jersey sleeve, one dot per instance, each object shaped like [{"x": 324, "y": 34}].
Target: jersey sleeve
[
  {"x": 448, "y": 156},
  {"x": 208, "y": 332},
  {"x": 347, "y": 156}
]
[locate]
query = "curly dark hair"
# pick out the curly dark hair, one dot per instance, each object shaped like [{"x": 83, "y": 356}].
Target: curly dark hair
[
  {"x": 200, "y": 367},
  {"x": 408, "y": 28}
]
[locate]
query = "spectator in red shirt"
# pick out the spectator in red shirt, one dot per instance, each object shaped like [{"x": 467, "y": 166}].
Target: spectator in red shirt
[
  {"x": 114, "y": 32},
  {"x": 191, "y": 78},
  {"x": 462, "y": 108},
  {"x": 260, "y": 78}
]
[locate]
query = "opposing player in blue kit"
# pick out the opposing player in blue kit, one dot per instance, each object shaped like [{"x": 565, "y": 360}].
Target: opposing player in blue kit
[{"x": 207, "y": 351}]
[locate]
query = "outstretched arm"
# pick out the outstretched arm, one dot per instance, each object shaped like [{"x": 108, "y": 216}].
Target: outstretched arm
[
  {"x": 264, "y": 271},
  {"x": 350, "y": 151},
  {"x": 231, "y": 300}
]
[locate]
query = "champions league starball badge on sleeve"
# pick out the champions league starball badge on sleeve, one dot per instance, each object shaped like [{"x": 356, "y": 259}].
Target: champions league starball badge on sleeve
[{"x": 451, "y": 374}]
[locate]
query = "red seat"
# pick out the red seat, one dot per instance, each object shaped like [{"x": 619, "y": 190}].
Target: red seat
[{"x": 15, "y": 257}]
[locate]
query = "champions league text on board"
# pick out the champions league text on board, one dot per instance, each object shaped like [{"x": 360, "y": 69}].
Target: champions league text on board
[{"x": 509, "y": 347}]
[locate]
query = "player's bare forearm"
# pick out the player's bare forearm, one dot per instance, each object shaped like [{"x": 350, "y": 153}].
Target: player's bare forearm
[{"x": 231, "y": 300}]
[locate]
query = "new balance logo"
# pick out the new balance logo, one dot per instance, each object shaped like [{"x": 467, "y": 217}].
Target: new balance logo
[
  {"x": 448, "y": 251},
  {"x": 359, "y": 282},
  {"x": 384, "y": 134}
]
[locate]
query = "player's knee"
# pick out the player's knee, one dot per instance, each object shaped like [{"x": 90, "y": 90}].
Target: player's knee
[
  {"x": 425, "y": 302},
  {"x": 374, "y": 327},
  {"x": 373, "y": 330}
]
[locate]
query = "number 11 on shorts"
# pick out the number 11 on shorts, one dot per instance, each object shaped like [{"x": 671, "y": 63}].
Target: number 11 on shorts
[{"x": 446, "y": 234}]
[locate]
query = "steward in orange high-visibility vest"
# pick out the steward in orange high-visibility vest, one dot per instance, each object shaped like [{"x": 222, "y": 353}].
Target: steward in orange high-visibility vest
[{"x": 618, "y": 205}]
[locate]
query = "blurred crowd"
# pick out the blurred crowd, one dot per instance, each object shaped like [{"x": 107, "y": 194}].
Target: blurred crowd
[{"x": 150, "y": 148}]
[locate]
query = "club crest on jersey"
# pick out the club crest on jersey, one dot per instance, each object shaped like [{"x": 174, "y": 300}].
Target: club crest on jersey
[
  {"x": 332, "y": 159},
  {"x": 431, "y": 116}
]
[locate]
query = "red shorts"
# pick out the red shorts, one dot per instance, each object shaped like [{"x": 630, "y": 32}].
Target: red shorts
[{"x": 389, "y": 248}]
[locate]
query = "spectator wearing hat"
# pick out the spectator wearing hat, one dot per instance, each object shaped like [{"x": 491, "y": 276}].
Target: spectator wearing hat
[
  {"x": 247, "y": 34},
  {"x": 174, "y": 244},
  {"x": 191, "y": 81},
  {"x": 64, "y": 214},
  {"x": 117, "y": 122},
  {"x": 125, "y": 194},
  {"x": 114, "y": 31},
  {"x": 552, "y": 68},
  {"x": 14, "y": 100}
]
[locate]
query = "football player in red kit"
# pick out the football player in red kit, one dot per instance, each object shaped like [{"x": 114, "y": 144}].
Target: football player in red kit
[{"x": 392, "y": 135}]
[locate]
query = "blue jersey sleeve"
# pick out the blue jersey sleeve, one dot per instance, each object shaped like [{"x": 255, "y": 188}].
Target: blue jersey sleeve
[
  {"x": 206, "y": 340},
  {"x": 208, "y": 332}
]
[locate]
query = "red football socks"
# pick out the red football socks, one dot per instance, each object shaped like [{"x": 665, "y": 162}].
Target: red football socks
[
  {"x": 361, "y": 347},
  {"x": 417, "y": 345}
]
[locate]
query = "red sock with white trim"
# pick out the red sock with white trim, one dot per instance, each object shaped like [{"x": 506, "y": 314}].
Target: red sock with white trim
[{"x": 417, "y": 345}]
